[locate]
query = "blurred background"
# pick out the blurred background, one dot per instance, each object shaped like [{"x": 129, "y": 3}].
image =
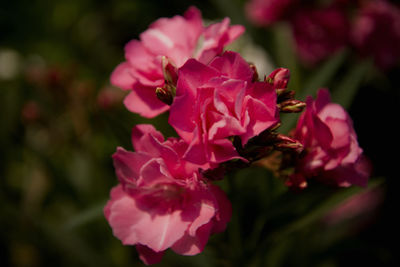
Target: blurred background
[{"x": 61, "y": 121}]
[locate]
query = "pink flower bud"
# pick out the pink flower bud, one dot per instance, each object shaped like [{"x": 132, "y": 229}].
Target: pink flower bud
[
  {"x": 170, "y": 71},
  {"x": 279, "y": 78},
  {"x": 255, "y": 72},
  {"x": 283, "y": 142}
]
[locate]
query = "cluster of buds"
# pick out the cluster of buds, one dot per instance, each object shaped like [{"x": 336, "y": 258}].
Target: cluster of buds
[
  {"x": 263, "y": 147},
  {"x": 286, "y": 102}
]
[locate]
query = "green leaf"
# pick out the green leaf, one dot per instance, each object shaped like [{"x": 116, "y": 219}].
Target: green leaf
[
  {"x": 324, "y": 75},
  {"x": 285, "y": 54},
  {"x": 85, "y": 217},
  {"x": 348, "y": 87}
]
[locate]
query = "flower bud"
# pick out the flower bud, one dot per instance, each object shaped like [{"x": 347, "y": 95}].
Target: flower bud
[
  {"x": 255, "y": 72},
  {"x": 283, "y": 142},
  {"x": 279, "y": 78},
  {"x": 170, "y": 71},
  {"x": 276, "y": 126},
  {"x": 165, "y": 94},
  {"x": 292, "y": 106}
]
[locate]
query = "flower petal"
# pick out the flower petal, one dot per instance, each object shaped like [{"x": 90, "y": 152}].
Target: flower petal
[
  {"x": 143, "y": 100},
  {"x": 133, "y": 225}
]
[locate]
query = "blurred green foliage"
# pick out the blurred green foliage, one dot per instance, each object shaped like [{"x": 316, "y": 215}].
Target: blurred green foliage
[{"x": 61, "y": 121}]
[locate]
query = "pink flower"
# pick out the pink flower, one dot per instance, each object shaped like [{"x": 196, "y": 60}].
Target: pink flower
[
  {"x": 266, "y": 12},
  {"x": 319, "y": 32},
  {"x": 376, "y": 33},
  {"x": 178, "y": 39},
  {"x": 332, "y": 154},
  {"x": 162, "y": 201},
  {"x": 217, "y": 101}
]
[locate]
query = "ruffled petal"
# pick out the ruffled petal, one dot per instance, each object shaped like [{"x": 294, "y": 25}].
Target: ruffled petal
[{"x": 133, "y": 225}]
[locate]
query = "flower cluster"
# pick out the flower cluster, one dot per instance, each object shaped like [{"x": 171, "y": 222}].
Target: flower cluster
[
  {"x": 370, "y": 27},
  {"x": 226, "y": 118}
]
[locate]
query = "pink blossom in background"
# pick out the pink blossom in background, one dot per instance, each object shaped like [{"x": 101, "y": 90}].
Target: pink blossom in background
[
  {"x": 266, "y": 12},
  {"x": 217, "y": 101},
  {"x": 31, "y": 111},
  {"x": 319, "y": 32},
  {"x": 332, "y": 154},
  {"x": 376, "y": 33},
  {"x": 178, "y": 38},
  {"x": 162, "y": 201},
  {"x": 109, "y": 97},
  {"x": 364, "y": 203}
]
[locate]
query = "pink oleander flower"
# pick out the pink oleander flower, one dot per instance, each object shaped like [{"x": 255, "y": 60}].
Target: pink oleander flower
[
  {"x": 376, "y": 33},
  {"x": 318, "y": 33},
  {"x": 178, "y": 39},
  {"x": 332, "y": 154},
  {"x": 162, "y": 201},
  {"x": 266, "y": 12},
  {"x": 217, "y": 101}
]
